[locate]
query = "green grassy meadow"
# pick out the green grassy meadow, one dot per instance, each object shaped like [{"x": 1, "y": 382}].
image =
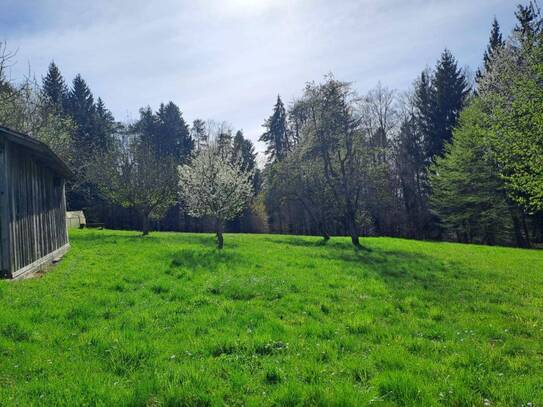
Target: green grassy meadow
[{"x": 167, "y": 320}]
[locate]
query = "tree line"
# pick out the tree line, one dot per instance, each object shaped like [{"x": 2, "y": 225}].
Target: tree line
[
  {"x": 453, "y": 158},
  {"x": 126, "y": 174}
]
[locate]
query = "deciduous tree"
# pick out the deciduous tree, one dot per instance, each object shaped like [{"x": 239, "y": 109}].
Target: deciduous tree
[
  {"x": 216, "y": 186},
  {"x": 467, "y": 191},
  {"x": 334, "y": 136},
  {"x": 134, "y": 176}
]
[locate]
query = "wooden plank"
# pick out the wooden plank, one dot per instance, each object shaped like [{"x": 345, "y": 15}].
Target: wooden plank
[{"x": 4, "y": 214}]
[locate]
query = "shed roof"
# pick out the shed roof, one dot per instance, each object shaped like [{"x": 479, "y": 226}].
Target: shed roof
[{"x": 39, "y": 149}]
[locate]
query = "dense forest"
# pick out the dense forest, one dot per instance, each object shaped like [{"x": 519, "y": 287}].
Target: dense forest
[{"x": 453, "y": 158}]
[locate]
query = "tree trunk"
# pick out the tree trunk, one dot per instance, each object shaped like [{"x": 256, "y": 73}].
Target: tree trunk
[
  {"x": 353, "y": 232},
  {"x": 219, "y": 229},
  {"x": 324, "y": 232},
  {"x": 352, "y": 227},
  {"x": 145, "y": 224},
  {"x": 355, "y": 240}
]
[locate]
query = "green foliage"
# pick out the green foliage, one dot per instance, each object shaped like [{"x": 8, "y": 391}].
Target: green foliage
[
  {"x": 518, "y": 136},
  {"x": 335, "y": 140},
  {"x": 438, "y": 98},
  {"x": 495, "y": 163},
  {"x": 56, "y": 131},
  {"x": 274, "y": 320},
  {"x": 467, "y": 191},
  {"x": 513, "y": 97},
  {"x": 529, "y": 23}
]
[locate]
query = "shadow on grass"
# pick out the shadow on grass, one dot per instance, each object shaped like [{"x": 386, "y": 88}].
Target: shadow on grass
[
  {"x": 405, "y": 271},
  {"x": 311, "y": 241},
  {"x": 315, "y": 242},
  {"x": 398, "y": 269},
  {"x": 112, "y": 236},
  {"x": 204, "y": 239},
  {"x": 210, "y": 260}
]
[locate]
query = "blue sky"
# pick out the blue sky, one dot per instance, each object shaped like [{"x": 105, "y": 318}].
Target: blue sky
[{"x": 228, "y": 59}]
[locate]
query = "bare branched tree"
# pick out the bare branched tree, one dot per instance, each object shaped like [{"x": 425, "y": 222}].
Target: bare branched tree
[
  {"x": 379, "y": 118},
  {"x": 134, "y": 176},
  {"x": 7, "y": 60}
]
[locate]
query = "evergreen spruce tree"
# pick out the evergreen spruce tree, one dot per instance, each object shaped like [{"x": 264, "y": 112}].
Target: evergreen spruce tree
[
  {"x": 54, "y": 88},
  {"x": 105, "y": 126},
  {"x": 244, "y": 151},
  {"x": 450, "y": 91},
  {"x": 173, "y": 136},
  {"x": 82, "y": 109},
  {"x": 424, "y": 112},
  {"x": 147, "y": 128},
  {"x": 224, "y": 142},
  {"x": 244, "y": 156},
  {"x": 80, "y": 106},
  {"x": 276, "y": 135},
  {"x": 439, "y": 97}
]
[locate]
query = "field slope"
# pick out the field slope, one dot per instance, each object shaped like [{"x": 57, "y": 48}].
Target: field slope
[{"x": 274, "y": 320}]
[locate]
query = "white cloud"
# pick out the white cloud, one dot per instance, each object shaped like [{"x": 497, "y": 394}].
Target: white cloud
[{"x": 228, "y": 59}]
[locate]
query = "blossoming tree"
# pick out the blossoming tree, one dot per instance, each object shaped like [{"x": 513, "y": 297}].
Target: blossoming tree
[{"x": 215, "y": 185}]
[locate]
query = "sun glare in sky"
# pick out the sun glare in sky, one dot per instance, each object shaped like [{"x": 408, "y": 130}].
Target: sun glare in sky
[{"x": 248, "y": 6}]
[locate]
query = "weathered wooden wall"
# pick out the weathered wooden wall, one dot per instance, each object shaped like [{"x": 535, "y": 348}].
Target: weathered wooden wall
[
  {"x": 36, "y": 210},
  {"x": 4, "y": 260}
]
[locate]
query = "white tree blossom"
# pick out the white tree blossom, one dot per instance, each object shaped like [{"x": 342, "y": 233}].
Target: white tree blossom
[{"x": 215, "y": 185}]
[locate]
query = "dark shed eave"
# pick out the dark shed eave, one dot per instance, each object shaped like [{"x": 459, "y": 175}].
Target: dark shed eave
[{"x": 41, "y": 150}]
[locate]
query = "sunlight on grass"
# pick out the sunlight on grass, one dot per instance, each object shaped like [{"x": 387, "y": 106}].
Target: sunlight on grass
[{"x": 168, "y": 320}]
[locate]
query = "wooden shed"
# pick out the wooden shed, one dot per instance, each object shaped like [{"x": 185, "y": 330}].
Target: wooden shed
[{"x": 32, "y": 204}]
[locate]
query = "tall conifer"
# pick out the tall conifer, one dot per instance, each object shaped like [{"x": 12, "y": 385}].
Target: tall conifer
[
  {"x": 83, "y": 110},
  {"x": 173, "y": 133},
  {"x": 54, "y": 88},
  {"x": 450, "y": 90},
  {"x": 276, "y": 135}
]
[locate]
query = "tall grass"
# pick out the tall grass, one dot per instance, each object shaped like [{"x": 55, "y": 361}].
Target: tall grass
[{"x": 274, "y": 320}]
